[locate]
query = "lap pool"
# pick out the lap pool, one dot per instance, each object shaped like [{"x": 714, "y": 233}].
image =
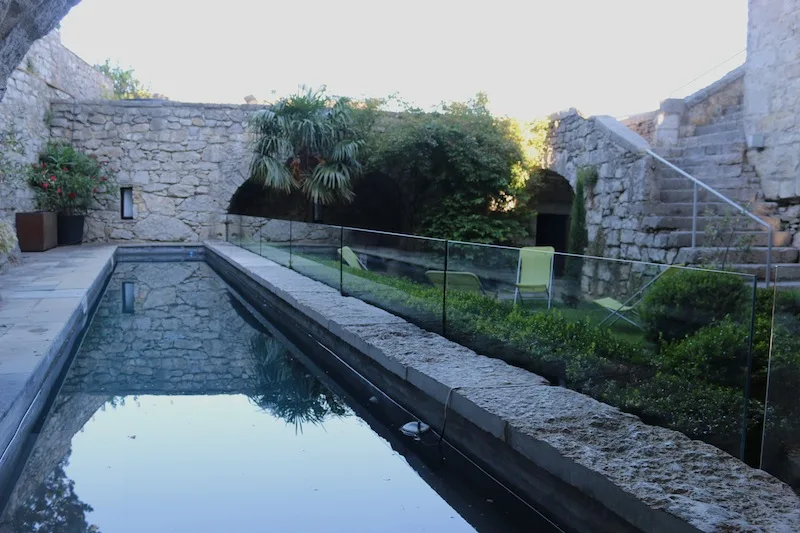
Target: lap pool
[{"x": 183, "y": 411}]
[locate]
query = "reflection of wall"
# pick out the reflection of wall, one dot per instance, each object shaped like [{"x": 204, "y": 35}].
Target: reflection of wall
[
  {"x": 183, "y": 338},
  {"x": 66, "y": 418}
]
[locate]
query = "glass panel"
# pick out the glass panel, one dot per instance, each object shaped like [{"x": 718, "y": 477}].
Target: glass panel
[
  {"x": 249, "y": 233},
  {"x": 781, "y": 442},
  {"x": 669, "y": 344},
  {"x": 234, "y": 229},
  {"x": 399, "y": 273},
  {"x": 314, "y": 251},
  {"x": 276, "y": 237}
]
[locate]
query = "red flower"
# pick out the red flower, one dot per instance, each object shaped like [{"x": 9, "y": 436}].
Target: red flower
[
  {"x": 72, "y": 195},
  {"x": 63, "y": 169},
  {"x": 52, "y": 178},
  {"x": 103, "y": 179},
  {"x": 95, "y": 190},
  {"x": 45, "y": 185},
  {"x": 59, "y": 190}
]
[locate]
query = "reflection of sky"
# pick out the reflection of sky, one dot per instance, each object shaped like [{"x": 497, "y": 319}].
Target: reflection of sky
[{"x": 219, "y": 464}]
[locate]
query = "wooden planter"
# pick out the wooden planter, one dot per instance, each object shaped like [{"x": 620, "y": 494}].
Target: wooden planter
[{"x": 37, "y": 231}]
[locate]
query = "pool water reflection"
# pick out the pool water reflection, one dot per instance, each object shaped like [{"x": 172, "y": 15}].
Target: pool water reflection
[{"x": 181, "y": 414}]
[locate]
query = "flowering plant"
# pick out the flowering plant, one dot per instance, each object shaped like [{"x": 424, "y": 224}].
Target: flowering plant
[{"x": 66, "y": 180}]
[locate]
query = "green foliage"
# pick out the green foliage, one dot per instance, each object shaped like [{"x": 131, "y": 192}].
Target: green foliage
[
  {"x": 12, "y": 154},
  {"x": 126, "y": 85},
  {"x": 683, "y": 301},
  {"x": 307, "y": 141},
  {"x": 460, "y": 171},
  {"x": 8, "y": 238},
  {"x": 66, "y": 180},
  {"x": 578, "y": 237},
  {"x": 285, "y": 389},
  {"x": 716, "y": 353}
]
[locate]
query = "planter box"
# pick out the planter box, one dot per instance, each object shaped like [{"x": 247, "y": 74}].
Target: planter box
[
  {"x": 37, "y": 231},
  {"x": 70, "y": 229}
]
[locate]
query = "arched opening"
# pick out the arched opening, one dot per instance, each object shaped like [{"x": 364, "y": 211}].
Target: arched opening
[
  {"x": 553, "y": 204},
  {"x": 376, "y": 205}
]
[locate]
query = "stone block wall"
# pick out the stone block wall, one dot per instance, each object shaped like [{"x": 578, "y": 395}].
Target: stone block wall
[
  {"x": 772, "y": 95},
  {"x": 644, "y": 124},
  {"x": 183, "y": 161},
  {"x": 617, "y": 204}
]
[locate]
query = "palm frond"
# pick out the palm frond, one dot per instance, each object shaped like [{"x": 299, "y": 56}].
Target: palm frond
[
  {"x": 346, "y": 151},
  {"x": 271, "y": 172}
]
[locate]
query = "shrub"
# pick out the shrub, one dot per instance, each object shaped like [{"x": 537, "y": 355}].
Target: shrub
[
  {"x": 578, "y": 237},
  {"x": 66, "y": 180},
  {"x": 716, "y": 353},
  {"x": 8, "y": 239},
  {"x": 684, "y": 301}
]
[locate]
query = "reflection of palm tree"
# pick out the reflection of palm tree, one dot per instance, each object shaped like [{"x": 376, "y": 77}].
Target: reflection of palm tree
[
  {"x": 54, "y": 507},
  {"x": 286, "y": 389}
]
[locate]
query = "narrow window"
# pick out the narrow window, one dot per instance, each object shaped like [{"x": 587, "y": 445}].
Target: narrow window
[
  {"x": 128, "y": 297},
  {"x": 126, "y": 193}
]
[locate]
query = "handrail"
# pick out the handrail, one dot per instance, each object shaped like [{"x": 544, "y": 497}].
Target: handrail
[{"x": 725, "y": 199}]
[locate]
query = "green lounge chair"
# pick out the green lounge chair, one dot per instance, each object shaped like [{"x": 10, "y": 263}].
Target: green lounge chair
[
  {"x": 350, "y": 257},
  {"x": 535, "y": 272},
  {"x": 624, "y": 310},
  {"x": 460, "y": 281}
]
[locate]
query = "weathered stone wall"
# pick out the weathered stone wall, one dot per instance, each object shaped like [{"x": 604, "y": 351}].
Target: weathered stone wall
[
  {"x": 772, "y": 95},
  {"x": 21, "y": 23},
  {"x": 48, "y": 71},
  {"x": 183, "y": 161},
  {"x": 183, "y": 337},
  {"x": 644, "y": 124}
]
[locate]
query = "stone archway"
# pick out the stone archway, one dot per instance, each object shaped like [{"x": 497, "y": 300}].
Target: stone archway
[{"x": 553, "y": 204}]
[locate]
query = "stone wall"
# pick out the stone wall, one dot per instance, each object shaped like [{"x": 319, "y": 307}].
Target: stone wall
[
  {"x": 48, "y": 71},
  {"x": 644, "y": 124},
  {"x": 183, "y": 161},
  {"x": 772, "y": 95}
]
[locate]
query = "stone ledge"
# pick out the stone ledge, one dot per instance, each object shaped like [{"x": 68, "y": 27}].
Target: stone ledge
[
  {"x": 158, "y": 103},
  {"x": 656, "y": 479}
]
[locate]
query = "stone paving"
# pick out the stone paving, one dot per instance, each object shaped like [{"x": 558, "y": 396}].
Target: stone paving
[{"x": 44, "y": 300}]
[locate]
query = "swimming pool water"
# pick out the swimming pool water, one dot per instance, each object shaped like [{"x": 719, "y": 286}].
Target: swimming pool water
[{"x": 181, "y": 413}]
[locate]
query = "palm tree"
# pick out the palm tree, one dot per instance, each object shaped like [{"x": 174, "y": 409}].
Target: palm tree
[
  {"x": 284, "y": 387},
  {"x": 307, "y": 141}
]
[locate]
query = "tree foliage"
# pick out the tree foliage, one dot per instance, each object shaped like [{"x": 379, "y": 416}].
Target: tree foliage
[
  {"x": 578, "y": 237},
  {"x": 307, "y": 141},
  {"x": 461, "y": 172},
  {"x": 126, "y": 85}
]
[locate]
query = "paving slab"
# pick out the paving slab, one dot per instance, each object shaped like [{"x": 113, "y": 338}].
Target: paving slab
[{"x": 44, "y": 302}]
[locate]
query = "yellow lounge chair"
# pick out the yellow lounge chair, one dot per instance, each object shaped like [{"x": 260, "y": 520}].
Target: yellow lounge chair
[
  {"x": 535, "y": 272},
  {"x": 460, "y": 281},
  {"x": 350, "y": 257}
]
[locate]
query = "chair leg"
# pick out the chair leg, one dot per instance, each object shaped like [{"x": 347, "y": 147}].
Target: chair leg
[
  {"x": 516, "y": 292},
  {"x": 549, "y": 297}
]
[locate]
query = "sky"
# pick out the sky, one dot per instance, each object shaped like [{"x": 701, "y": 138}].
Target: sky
[{"x": 532, "y": 57}]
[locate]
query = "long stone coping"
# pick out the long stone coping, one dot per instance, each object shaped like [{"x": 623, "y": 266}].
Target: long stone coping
[
  {"x": 654, "y": 478},
  {"x": 44, "y": 303}
]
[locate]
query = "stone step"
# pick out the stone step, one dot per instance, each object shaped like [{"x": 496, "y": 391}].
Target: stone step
[
  {"x": 786, "y": 271},
  {"x": 754, "y": 255},
  {"x": 681, "y": 239},
  {"x": 687, "y": 209},
  {"x": 720, "y": 127},
  {"x": 729, "y": 158},
  {"x": 714, "y": 139},
  {"x": 711, "y": 171},
  {"x": 685, "y": 194},
  {"x": 657, "y": 223},
  {"x": 713, "y": 149},
  {"x": 719, "y": 184}
]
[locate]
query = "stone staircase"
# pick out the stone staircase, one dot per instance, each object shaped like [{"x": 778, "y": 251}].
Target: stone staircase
[{"x": 715, "y": 153}]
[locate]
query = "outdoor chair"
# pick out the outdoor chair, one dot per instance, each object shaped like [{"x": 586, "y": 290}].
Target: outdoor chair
[
  {"x": 627, "y": 310},
  {"x": 460, "y": 281},
  {"x": 535, "y": 272},
  {"x": 350, "y": 257}
]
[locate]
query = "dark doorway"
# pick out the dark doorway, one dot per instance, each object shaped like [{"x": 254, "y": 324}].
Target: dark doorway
[{"x": 553, "y": 230}]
